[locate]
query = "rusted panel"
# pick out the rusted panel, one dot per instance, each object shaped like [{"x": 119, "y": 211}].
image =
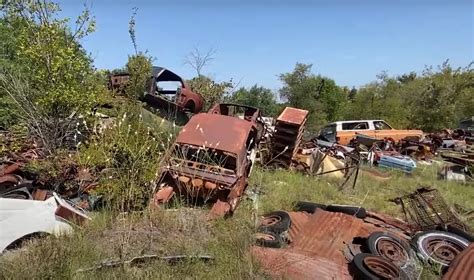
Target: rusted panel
[
  {"x": 294, "y": 264},
  {"x": 318, "y": 243},
  {"x": 463, "y": 266},
  {"x": 325, "y": 233},
  {"x": 216, "y": 131},
  {"x": 298, "y": 220},
  {"x": 293, "y": 115}
]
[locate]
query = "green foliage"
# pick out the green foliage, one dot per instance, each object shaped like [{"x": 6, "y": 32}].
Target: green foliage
[
  {"x": 211, "y": 91},
  {"x": 139, "y": 68},
  {"x": 432, "y": 101},
  {"x": 324, "y": 100},
  {"x": 46, "y": 73},
  {"x": 129, "y": 152},
  {"x": 256, "y": 96}
]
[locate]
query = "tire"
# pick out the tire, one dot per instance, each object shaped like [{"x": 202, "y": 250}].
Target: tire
[
  {"x": 363, "y": 271},
  {"x": 391, "y": 247},
  {"x": 460, "y": 233},
  {"x": 359, "y": 212},
  {"x": 310, "y": 207},
  {"x": 269, "y": 239},
  {"x": 275, "y": 222},
  {"x": 438, "y": 247}
]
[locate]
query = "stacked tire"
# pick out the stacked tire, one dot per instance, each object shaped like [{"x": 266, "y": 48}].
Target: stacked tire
[{"x": 273, "y": 229}]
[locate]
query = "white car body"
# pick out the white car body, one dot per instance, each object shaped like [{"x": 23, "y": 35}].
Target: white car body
[{"x": 21, "y": 218}]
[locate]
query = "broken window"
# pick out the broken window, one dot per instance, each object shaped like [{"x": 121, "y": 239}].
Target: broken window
[
  {"x": 328, "y": 133},
  {"x": 355, "y": 125},
  {"x": 206, "y": 156},
  {"x": 381, "y": 125}
]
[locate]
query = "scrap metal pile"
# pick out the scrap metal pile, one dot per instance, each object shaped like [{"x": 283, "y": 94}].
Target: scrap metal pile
[{"x": 349, "y": 242}]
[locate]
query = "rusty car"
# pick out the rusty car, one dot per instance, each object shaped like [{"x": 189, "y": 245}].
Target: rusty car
[
  {"x": 209, "y": 162},
  {"x": 164, "y": 89}
]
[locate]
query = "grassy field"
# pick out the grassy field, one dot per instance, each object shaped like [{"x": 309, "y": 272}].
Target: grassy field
[{"x": 186, "y": 231}]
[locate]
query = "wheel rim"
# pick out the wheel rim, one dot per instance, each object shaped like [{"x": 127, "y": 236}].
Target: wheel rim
[
  {"x": 441, "y": 249},
  {"x": 392, "y": 250},
  {"x": 271, "y": 220},
  {"x": 264, "y": 236},
  {"x": 381, "y": 267}
]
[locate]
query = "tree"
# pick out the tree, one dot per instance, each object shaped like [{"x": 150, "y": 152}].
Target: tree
[
  {"x": 47, "y": 56},
  {"x": 198, "y": 59},
  {"x": 319, "y": 95},
  {"x": 211, "y": 91},
  {"x": 256, "y": 96}
]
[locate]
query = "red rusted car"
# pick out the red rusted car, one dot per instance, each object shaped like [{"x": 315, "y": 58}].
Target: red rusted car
[
  {"x": 210, "y": 162},
  {"x": 165, "y": 89}
]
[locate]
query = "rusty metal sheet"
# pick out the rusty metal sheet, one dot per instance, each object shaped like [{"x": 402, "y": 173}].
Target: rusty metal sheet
[
  {"x": 293, "y": 116},
  {"x": 462, "y": 267},
  {"x": 325, "y": 232},
  {"x": 298, "y": 220},
  {"x": 294, "y": 264},
  {"x": 318, "y": 243},
  {"x": 216, "y": 131}
]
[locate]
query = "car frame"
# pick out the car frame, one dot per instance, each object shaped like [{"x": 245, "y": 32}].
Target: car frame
[{"x": 210, "y": 162}]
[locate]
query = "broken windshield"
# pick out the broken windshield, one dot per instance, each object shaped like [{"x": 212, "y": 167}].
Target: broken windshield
[{"x": 206, "y": 156}]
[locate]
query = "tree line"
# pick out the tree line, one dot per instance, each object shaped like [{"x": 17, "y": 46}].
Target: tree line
[{"x": 46, "y": 76}]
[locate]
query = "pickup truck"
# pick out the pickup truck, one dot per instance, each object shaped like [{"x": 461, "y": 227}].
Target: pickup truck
[
  {"x": 164, "y": 89},
  {"x": 342, "y": 132}
]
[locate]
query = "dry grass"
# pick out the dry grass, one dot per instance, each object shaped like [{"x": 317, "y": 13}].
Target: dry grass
[{"x": 110, "y": 236}]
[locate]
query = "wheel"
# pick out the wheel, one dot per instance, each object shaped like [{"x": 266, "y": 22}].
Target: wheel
[
  {"x": 276, "y": 222},
  {"x": 368, "y": 266},
  {"x": 460, "y": 232},
  {"x": 439, "y": 247},
  {"x": 310, "y": 207},
  {"x": 359, "y": 212},
  {"x": 391, "y": 247},
  {"x": 269, "y": 239}
]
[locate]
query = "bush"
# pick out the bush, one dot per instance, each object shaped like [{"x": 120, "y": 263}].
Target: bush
[{"x": 127, "y": 153}]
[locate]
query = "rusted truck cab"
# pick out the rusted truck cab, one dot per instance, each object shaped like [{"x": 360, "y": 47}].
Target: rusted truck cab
[
  {"x": 247, "y": 113},
  {"x": 209, "y": 163},
  {"x": 164, "y": 89}
]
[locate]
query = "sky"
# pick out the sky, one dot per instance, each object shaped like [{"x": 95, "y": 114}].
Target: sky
[{"x": 348, "y": 41}]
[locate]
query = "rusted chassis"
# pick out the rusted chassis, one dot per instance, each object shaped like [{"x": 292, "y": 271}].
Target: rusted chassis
[{"x": 200, "y": 187}]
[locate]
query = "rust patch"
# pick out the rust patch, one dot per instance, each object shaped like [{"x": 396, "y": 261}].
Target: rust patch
[
  {"x": 295, "y": 264},
  {"x": 293, "y": 116},
  {"x": 463, "y": 266},
  {"x": 207, "y": 130},
  {"x": 317, "y": 245}
]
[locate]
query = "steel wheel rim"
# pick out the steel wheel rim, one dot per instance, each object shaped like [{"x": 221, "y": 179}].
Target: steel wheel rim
[
  {"x": 271, "y": 220},
  {"x": 264, "y": 236},
  {"x": 392, "y": 250},
  {"x": 382, "y": 268},
  {"x": 442, "y": 249}
]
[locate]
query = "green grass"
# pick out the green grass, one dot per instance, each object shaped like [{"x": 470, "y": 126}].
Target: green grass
[{"x": 110, "y": 236}]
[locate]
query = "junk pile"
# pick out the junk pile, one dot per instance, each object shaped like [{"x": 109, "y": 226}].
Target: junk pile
[
  {"x": 26, "y": 209},
  {"x": 289, "y": 150},
  {"x": 317, "y": 241}
]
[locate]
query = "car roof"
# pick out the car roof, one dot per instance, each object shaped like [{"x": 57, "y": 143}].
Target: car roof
[
  {"x": 216, "y": 131},
  {"x": 350, "y": 121}
]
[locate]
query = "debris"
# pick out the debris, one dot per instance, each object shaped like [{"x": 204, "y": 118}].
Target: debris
[
  {"x": 317, "y": 243},
  {"x": 140, "y": 260},
  {"x": 462, "y": 268},
  {"x": 20, "y": 219},
  {"x": 425, "y": 209}
]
